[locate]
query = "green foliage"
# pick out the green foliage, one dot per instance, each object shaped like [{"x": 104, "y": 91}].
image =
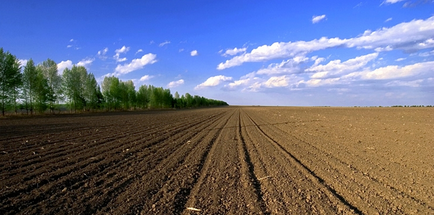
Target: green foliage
[
  {"x": 41, "y": 87},
  {"x": 10, "y": 80},
  {"x": 29, "y": 86},
  {"x": 81, "y": 89},
  {"x": 54, "y": 82},
  {"x": 43, "y": 92}
]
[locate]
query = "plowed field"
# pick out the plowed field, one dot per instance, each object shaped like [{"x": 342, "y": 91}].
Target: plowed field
[{"x": 234, "y": 160}]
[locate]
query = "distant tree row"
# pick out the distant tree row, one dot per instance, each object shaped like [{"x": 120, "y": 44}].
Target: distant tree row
[
  {"x": 38, "y": 88},
  {"x": 412, "y": 106}
]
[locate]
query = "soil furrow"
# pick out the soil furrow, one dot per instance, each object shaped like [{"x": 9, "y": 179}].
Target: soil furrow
[{"x": 233, "y": 160}]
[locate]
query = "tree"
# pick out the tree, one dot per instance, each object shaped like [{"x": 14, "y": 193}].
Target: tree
[
  {"x": 188, "y": 100},
  {"x": 143, "y": 97},
  {"x": 111, "y": 92},
  {"x": 92, "y": 92},
  {"x": 131, "y": 94},
  {"x": 54, "y": 81},
  {"x": 29, "y": 85},
  {"x": 167, "y": 100},
  {"x": 80, "y": 88},
  {"x": 43, "y": 93},
  {"x": 10, "y": 79}
]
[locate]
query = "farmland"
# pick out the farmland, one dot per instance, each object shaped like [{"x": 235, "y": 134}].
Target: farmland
[{"x": 232, "y": 160}]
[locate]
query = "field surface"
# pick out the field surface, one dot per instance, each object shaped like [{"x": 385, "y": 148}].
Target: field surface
[{"x": 233, "y": 160}]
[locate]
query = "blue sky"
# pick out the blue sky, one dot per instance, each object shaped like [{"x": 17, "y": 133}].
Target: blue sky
[{"x": 297, "y": 53}]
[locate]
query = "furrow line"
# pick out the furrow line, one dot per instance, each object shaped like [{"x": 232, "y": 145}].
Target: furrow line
[
  {"x": 315, "y": 178},
  {"x": 149, "y": 180},
  {"x": 348, "y": 176},
  {"x": 81, "y": 168},
  {"x": 249, "y": 169},
  {"x": 204, "y": 167}
]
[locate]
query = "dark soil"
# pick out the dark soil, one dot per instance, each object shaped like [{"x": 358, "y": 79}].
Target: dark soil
[{"x": 234, "y": 160}]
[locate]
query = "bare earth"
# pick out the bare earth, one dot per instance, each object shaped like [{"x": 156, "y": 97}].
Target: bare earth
[{"x": 234, "y": 160}]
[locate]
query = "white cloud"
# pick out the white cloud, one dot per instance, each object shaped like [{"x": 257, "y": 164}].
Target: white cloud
[
  {"x": 68, "y": 64},
  {"x": 181, "y": 50},
  {"x": 281, "y": 50},
  {"x": 337, "y": 67},
  {"x": 316, "y": 19},
  {"x": 138, "y": 51},
  {"x": 252, "y": 83},
  {"x": 400, "y": 59},
  {"x": 135, "y": 64},
  {"x": 102, "y": 54},
  {"x": 415, "y": 83},
  {"x": 320, "y": 82},
  {"x": 177, "y": 83},
  {"x": 391, "y": 1},
  {"x": 68, "y": 46},
  {"x": 146, "y": 77},
  {"x": 213, "y": 81},
  {"x": 389, "y": 19},
  {"x": 408, "y": 36},
  {"x": 246, "y": 80},
  {"x": 280, "y": 81},
  {"x": 164, "y": 43},
  {"x": 71, "y": 40},
  {"x": 235, "y": 51},
  {"x": 317, "y": 60},
  {"x": 237, "y": 83},
  {"x": 193, "y": 53},
  {"x": 63, "y": 65},
  {"x": 393, "y": 71},
  {"x": 85, "y": 62},
  {"x": 120, "y": 59},
  {"x": 23, "y": 62},
  {"x": 426, "y": 54},
  {"x": 383, "y": 73},
  {"x": 285, "y": 67},
  {"x": 122, "y": 50}
]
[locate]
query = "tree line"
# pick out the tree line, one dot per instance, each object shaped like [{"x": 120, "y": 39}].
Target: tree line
[{"x": 38, "y": 88}]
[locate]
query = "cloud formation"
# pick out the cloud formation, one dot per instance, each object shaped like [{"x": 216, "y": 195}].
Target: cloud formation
[
  {"x": 279, "y": 81},
  {"x": 393, "y": 71},
  {"x": 85, "y": 62},
  {"x": 177, "y": 83},
  {"x": 120, "y": 51},
  {"x": 101, "y": 54},
  {"x": 235, "y": 51},
  {"x": 336, "y": 67},
  {"x": 63, "y": 65},
  {"x": 193, "y": 53},
  {"x": 213, "y": 81},
  {"x": 285, "y": 67},
  {"x": 407, "y": 36},
  {"x": 68, "y": 64},
  {"x": 145, "y": 78},
  {"x": 164, "y": 43},
  {"x": 281, "y": 50},
  {"x": 391, "y": 1},
  {"x": 135, "y": 64},
  {"x": 23, "y": 62},
  {"x": 316, "y": 19}
]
